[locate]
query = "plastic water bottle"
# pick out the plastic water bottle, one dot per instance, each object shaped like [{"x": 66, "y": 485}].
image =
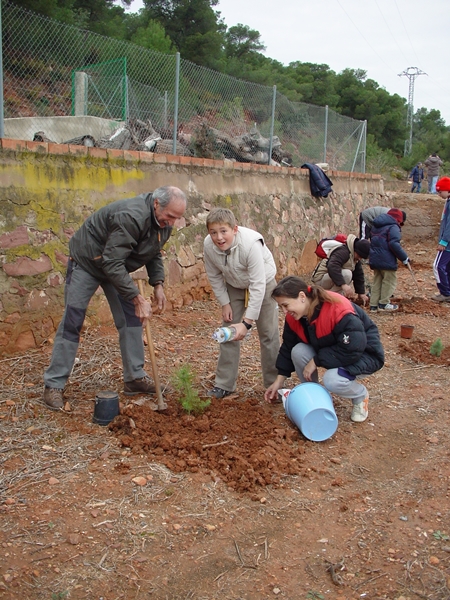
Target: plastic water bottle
[
  {"x": 224, "y": 334},
  {"x": 283, "y": 394},
  {"x": 227, "y": 334}
]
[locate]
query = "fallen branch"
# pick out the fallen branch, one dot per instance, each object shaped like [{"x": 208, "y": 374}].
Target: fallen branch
[
  {"x": 71, "y": 558},
  {"x": 333, "y": 570},
  {"x": 238, "y": 552},
  {"x": 425, "y": 367},
  {"x": 102, "y": 560},
  {"x": 369, "y": 580},
  {"x": 95, "y": 525},
  {"x": 243, "y": 565},
  {"x": 216, "y": 444},
  {"x": 43, "y": 558}
]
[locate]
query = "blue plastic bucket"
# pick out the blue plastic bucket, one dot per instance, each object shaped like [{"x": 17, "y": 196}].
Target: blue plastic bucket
[{"x": 310, "y": 407}]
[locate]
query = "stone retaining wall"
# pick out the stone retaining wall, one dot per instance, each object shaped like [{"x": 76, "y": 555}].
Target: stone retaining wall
[{"x": 47, "y": 190}]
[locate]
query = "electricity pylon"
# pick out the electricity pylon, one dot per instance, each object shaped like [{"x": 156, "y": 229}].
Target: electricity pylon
[{"x": 412, "y": 73}]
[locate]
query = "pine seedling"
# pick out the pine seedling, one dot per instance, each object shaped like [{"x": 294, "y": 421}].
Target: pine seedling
[
  {"x": 188, "y": 397},
  {"x": 436, "y": 347}
]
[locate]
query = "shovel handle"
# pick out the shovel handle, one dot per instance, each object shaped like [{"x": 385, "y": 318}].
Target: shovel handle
[
  {"x": 413, "y": 276},
  {"x": 161, "y": 403}
]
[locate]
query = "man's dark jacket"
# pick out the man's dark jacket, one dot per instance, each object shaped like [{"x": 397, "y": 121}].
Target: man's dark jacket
[{"x": 119, "y": 238}]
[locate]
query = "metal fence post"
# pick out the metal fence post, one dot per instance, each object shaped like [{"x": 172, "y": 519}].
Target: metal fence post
[
  {"x": 125, "y": 105},
  {"x": 361, "y": 135},
  {"x": 364, "y": 149},
  {"x": 274, "y": 99},
  {"x": 2, "y": 125},
  {"x": 175, "y": 110},
  {"x": 325, "y": 136},
  {"x": 166, "y": 124},
  {"x": 127, "y": 97}
]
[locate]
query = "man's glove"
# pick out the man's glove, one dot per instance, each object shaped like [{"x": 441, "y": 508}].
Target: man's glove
[{"x": 406, "y": 261}]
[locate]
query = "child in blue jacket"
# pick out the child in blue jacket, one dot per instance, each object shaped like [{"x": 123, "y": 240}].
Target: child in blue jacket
[
  {"x": 385, "y": 250},
  {"x": 441, "y": 266}
]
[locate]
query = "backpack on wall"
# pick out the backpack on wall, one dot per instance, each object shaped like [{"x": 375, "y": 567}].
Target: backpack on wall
[{"x": 327, "y": 245}]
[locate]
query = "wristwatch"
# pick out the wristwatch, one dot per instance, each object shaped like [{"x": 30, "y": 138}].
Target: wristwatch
[
  {"x": 248, "y": 325},
  {"x": 158, "y": 283}
]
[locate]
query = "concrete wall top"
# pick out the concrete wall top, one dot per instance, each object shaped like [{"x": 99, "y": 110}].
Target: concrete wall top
[
  {"x": 60, "y": 129},
  {"x": 340, "y": 178}
]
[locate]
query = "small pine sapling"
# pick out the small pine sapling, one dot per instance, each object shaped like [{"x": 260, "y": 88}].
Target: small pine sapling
[
  {"x": 436, "y": 347},
  {"x": 188, "y": 397}
]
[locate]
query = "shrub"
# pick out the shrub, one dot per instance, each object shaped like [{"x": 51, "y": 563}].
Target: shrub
[
  {"x": 436, "y": 347},
  {"x": 188, "y": 398}
]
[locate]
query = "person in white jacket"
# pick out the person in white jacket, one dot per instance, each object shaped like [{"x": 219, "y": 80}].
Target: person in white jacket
[{"x": 241, "y": 271}]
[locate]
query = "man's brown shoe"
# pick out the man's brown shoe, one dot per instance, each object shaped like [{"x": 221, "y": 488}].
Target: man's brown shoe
[
  {"x": 139, "y": 386},
  {"x": 53, "y": 398}
]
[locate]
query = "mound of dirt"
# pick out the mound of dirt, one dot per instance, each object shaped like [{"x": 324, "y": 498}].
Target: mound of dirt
[{"x": 239, "y": 441}]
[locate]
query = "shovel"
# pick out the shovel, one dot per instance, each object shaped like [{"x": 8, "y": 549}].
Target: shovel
[
  {"x": 161, "y": 404},
  {"x": 413, "y": 276}
]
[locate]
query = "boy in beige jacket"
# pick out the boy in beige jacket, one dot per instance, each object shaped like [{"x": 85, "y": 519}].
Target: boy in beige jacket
[{"x": 241, "y": 271}]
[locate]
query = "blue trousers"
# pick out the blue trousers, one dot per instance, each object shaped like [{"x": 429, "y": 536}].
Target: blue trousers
[
  {"x": 80, "y": 287},
  {"x": 432, "y": 184},
  {"x": 441, "y": 270}
]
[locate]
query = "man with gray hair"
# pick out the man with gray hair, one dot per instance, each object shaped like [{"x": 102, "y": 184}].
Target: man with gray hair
[{"x": 114, "y": 241}]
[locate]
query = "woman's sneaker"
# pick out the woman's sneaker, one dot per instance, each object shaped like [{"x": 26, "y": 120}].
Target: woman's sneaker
[
  {"x": 388, "y": 307},
  {"x": 360, "y": 411}
]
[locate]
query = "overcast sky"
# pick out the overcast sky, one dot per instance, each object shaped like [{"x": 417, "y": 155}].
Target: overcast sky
[{"x": 382, "y": 37}]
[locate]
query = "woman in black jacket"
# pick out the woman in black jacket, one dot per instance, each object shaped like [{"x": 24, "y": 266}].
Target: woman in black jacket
[{"x": 324, "y": 329}]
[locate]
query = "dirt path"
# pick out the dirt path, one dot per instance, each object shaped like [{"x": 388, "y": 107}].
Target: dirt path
[{"x": 234, "y": 504}]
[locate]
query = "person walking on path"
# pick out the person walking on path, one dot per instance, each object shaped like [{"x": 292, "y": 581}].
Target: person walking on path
[
  {"x": 366, "y": 218},
  {"x": 385, "y": 251},
  {"x": 241, "y": 271},
  {"x": 433, "y": 165},
  {"x": 343, "y": 267},
  {"x": 441, "y": 265},
  {"x": 114, "y": 241},
  {"x": 416, "y": 176},
  {"x": 324, "y": 329}
]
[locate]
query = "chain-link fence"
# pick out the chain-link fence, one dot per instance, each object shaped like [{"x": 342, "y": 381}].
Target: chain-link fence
[{"x": 64, "y": 84}]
